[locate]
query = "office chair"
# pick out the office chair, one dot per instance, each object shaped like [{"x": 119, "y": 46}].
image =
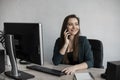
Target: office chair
[{"x": 97, "y": 48}]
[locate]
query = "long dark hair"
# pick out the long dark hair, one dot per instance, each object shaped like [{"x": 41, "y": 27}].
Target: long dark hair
[{"x": 75, "y": 42}]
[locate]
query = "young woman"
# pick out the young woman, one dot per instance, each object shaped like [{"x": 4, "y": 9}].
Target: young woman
[{"x": 71, "y": 48}]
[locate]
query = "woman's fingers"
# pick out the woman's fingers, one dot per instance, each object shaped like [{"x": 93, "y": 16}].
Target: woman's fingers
[
  {"x": 65, "y": 31},
  {"x": 68, "y": 71},
  {"x": 66, "y": 34},
  {"x": 64, "y": 70}
]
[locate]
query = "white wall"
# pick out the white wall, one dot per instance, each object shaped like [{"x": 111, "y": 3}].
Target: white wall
[{"x": 100, "y": 19}]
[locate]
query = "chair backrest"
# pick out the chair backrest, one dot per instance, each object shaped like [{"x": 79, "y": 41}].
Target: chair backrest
[{"x": 97, "y": 48}]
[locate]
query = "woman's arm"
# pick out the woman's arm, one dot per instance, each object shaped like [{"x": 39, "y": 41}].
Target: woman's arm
[
  {"x": 88, "y": 59},
  {"x": 88, "y": 53},
  {"x": 72, "y": 69},
  {"x": 59, "y": 53},
  {"x": 57, "y": 56}
]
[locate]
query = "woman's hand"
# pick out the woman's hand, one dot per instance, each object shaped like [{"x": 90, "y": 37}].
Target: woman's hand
[
  {"x": 69, "y": 70},
  {"x": 66, "y": 34},
  {"x": 72, "y": 69},
  {"x": 65, "y": 46}
]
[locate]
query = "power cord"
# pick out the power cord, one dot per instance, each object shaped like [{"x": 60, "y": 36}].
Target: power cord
[{"x": 2, "y": 39}]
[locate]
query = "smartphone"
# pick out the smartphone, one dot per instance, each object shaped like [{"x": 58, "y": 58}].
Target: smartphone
[{"x": 68, "y": 35}]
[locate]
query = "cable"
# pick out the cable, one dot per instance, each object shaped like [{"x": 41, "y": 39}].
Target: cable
[{"x": 2, "y": 39}]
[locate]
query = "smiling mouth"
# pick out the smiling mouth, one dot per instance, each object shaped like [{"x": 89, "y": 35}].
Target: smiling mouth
[{"x": 73, "y": 30}]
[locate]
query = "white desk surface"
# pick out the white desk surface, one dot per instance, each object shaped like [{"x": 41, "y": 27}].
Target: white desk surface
[{"x": 96, "y": 72}]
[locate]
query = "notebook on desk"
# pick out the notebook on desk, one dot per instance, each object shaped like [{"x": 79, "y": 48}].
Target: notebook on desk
[{"x": 83, "y": 76}]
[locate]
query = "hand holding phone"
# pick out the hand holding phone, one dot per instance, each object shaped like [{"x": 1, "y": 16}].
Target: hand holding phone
[{"x": 66, "y": 36}]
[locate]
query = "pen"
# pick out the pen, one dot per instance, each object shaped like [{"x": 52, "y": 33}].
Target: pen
[{"x": 91, "y": 75}]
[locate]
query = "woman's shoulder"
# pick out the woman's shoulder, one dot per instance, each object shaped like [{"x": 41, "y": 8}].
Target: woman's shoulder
[
  {"x": 58, "y": 39},
  {"x": 82, "y": 38}
]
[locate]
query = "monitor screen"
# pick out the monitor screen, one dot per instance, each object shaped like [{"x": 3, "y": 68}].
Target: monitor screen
[{"x": 27, "y": 40}]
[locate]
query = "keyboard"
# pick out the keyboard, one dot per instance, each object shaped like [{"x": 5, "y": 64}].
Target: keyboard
[{"x": 46, "y": 70}]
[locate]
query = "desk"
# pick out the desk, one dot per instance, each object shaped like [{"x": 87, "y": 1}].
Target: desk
[{"x": 43, "y": 76}]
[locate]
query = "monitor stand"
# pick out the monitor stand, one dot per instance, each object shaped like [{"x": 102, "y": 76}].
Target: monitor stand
[
  {"x": 10, "y": 50},
  {"x": 21, "y": 75}
]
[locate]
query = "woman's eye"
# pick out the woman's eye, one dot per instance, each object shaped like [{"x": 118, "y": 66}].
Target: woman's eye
[
  {"x": 69, "y": 24},
  {"x": 76, "y": 24}
]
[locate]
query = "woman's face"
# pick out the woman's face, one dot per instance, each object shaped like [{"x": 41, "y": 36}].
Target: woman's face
[{"x": 73, "y": 26}]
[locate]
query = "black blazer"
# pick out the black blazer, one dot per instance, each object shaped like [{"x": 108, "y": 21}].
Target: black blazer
[{"x": 85, "y": 53}]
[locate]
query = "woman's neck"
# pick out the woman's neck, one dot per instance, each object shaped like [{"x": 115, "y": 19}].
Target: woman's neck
[
  {"x": 70, "y": 46},
  {"x": 71, "y": 38}
]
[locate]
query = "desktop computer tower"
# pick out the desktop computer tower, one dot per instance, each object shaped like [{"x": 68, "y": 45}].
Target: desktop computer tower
[
  {"x": 113, "y": 70},
  {"x": 2, "y": 61}
]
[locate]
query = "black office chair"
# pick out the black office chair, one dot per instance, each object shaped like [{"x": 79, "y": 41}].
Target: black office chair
[{"x": 97, "y": 48}]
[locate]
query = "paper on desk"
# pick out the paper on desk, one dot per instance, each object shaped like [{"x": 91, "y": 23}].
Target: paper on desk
[{"x": 82, "y": 76}]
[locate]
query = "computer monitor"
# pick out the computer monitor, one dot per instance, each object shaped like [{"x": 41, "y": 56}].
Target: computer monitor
[
  {"x": 27, "y": 40},
  {"x": 23, "y": 41}
]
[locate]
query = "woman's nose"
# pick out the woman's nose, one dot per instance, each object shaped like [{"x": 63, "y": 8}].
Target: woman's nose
[{"x": 73, "y": 26}]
